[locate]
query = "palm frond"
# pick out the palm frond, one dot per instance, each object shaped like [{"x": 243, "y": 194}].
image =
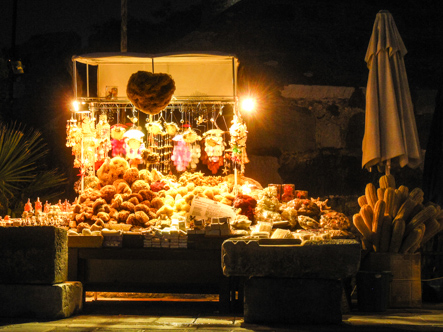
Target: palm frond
[
  {"x": 21, "y": 169},
  {"x": 47, "y": 185},
  {"x": 19, "y": 153}
]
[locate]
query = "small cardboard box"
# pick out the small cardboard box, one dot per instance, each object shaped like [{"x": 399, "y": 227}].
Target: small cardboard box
[
  {"x": 113, "y": 241},
  {"x": 85, "y": 241},
  {"x": 132, "y": 240}
]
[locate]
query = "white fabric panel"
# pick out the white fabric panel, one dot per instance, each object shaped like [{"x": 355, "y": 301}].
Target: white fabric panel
[
  {"x": 199, "y": 79},
  {"x": 196, "y": 75},
  {"x": 117, "y": 75}
]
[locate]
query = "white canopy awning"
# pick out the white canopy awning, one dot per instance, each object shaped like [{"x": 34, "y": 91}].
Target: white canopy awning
[{"x": 196, "y": 75}]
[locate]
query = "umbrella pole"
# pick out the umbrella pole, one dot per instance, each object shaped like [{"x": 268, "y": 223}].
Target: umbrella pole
[{"x": 388, "y": 167}]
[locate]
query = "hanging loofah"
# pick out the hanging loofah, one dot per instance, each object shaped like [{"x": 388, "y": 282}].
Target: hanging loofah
[{"x": 150, "y": 93}]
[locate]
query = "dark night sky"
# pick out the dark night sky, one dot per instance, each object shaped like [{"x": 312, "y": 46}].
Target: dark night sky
[
  {"x": 45, "y": 16},
  {"x": 342, "y": 26}
]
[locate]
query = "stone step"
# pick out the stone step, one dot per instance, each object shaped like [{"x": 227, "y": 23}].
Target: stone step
[{"x": 41, "y": 301}]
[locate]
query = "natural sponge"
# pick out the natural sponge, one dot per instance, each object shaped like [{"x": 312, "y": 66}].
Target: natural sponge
[
  {"x": 112, "y": 170},
  {"x": 149, "y": 92}
]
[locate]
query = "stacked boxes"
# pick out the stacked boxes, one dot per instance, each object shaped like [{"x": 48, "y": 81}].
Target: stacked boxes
[
  {"x": 166, "y": 238},
  {"x": 113, "y": 241},
  {"x": 218, "y": 227}
]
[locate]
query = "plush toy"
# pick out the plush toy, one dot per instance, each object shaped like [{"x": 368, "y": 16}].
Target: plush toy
[
  {"x": 117, "y": 140},
  {"x": 134, "y": 146}
]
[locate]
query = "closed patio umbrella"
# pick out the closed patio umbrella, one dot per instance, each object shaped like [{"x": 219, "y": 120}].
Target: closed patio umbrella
[{"x": 390, "y": 128}]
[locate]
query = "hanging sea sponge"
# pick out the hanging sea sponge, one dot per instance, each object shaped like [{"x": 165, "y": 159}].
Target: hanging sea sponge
[{"x": 150, "y": 93}]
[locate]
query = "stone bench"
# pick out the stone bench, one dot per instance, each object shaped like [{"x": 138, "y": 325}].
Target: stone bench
[
  {"x": 54, "y": 301},
  {"x": 290, "y": 282},
  {"x": 34, "y": 271}
]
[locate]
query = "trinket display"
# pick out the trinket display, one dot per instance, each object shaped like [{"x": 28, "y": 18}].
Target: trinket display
[
  {"x": 134, "y": 146},
  {"x": 118, "y": 141},
  {"x": 181, "y": 155},
  {"x": 157, "y": 153},
  {"x": 238, "y": 134}
]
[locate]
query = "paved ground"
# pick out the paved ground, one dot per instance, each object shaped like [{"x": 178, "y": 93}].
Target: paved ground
[{"x": 106, "y": 315}]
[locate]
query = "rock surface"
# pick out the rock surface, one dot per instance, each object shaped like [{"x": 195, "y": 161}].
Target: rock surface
[
  {"x": 41, "y": 301},
  {"x": 292, "y": 301},
  {"x": 329, "y": 259},
  {"x": 33, "y": 255}
]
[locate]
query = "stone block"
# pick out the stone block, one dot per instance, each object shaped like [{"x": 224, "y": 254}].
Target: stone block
[
  {"x": 33, "y": 255},
  {"x": 405, "y": 287},
  {"x": 292, "y": 301},
  {"x": 329, "y": 259},
  {"x": 41, "y": 301}
]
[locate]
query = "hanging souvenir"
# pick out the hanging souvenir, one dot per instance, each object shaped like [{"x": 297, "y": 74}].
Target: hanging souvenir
[
  {"x": 118, "y": 141},
  {"x": 171, "y": 128},
  {"x": 154, "y": 128},
  {"x": 150, "y": 157},
  {"x": 88, "y": 125},
  {"x": 239, "y": 133},
  {"x": 200, "y": 120},
  {"x": 73, "y": 133},
  {"x": 89, "y": 149},
  {"x": 195, "y": 155},
  {"x": 88, "y": 145},
  {"x": 181, "y": 155},
  {"x": 214, "y": 147},
  {"x": 190, "y": 136},
  {"x": 226, "y": 162},
  {"x": 213, "y": 166},
  {"x": 103, "y": 129},
  {"x": 214, "y": 144},
  {"x": 134, "y": 146},
  {"x": 103, "y": 135}
]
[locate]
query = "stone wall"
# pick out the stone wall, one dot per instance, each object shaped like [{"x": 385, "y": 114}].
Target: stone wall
[{"x": 314, "y": 134}]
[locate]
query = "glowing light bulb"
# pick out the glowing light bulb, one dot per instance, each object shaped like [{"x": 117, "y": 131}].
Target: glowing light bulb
[
  {"x": 76, "y": 106},
  {"x": 246, "y": 189},
  {"x": 248, "y": 104}
]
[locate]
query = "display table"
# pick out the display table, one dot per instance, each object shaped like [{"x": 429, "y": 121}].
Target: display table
[{"x": 193, "y": 270}]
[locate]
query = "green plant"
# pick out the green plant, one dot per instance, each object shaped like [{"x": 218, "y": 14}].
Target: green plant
[{"x": 23, "y": 173}]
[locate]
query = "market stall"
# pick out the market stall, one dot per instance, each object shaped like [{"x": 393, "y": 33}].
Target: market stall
[
  {"x": 161, "y": 189},
  {"x": 204, "y": 88},
  {"x": 154, "y": 209}
]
